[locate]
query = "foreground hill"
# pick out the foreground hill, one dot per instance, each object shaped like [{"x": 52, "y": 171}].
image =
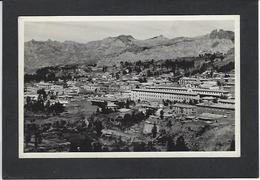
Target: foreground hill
[{"x": 112, "y": 50}]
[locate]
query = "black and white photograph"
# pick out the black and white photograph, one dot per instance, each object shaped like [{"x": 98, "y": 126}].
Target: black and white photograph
[{"x": 129, "y": 86}]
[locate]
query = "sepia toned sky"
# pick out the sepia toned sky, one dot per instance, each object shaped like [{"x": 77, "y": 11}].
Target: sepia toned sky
[{"x": 89, "y": 31}]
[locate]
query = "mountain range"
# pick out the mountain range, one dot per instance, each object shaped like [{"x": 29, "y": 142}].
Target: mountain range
[{"x": 112, "y": 50}]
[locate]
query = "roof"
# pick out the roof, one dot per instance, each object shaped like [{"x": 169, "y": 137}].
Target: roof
[
  {"x": 110, "y": 104},
  {"x": 210, "y": 116},
  {"x": 227, "y": 101},
  {"x": 123, "y": 110},
  {"x": 186, "y": 89},
  {"x": 190, "y": 117},
  {"x": 208, "y": 98},
  {"x": 183, "y": 105},
  {"x": 218, "y": 106},
  {"x": 189, "y": 78},
  {"x": 166, "y": 92}
]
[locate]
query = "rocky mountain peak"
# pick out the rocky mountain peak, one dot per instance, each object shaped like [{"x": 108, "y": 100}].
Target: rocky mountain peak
[{"x": 221, "y": 34}]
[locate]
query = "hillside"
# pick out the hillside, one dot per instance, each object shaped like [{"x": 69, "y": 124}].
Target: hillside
[{"x": 112, "y": 50}]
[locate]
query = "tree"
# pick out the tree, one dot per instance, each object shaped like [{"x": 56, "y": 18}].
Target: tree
[
  {"x": 195, "y": 101},
  {"x": 180, "y": 144},
  {"x": 170, "y": 144},
  {"x": 57, "y": 107},
  {"x": 161, "y": 114},
  {"x": 169, "y": 124},
  {"x": 232, "y": 145},
  {"x": 149, "y": 73},
  {"x": 154, "y": 130},
  {"x": 149, "y": 112},
  {"x": 96, "y": 147},
  {"x": 98, "y": 127},
  {"x": 191, "y": 102},
  {"x": 42, "y": 94},
  {"x": 28, "y": 135},
  {"x": 228, "y": 67},
  {"x": 127, "y": 119},
  {"x": 139, "y": 146},
  {"x": 215, "y": 100},
  {"x": 222, "y": 96},
  {"x": 85, "y": 143},
  {"x": 219, "y": 83},
  {"x": 127, "y": 103},
  {"x": 150, "y": 146}
]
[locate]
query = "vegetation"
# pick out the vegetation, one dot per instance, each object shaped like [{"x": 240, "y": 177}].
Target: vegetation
[
  {"x": 42, "y": 104},
  {"x": 148, "y": 68}
]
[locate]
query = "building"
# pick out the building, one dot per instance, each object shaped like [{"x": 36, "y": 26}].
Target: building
[
  {"x": 57, "y": 89},
  {"x": 125, "y": 87},
  {"x": 210, "y": 84},
  {"x": 226, "y": 101},
  {"x": 188, "y": 80},
  {"x": 30, "y": 90},
  {"x": 201, "y": 92},
  {"x": 159, "y": 95},
  {"x": 229, "y": 80},
  {"x": 209, "y": 116},
  {"x": 112, "y": 105},
  {"x": 72, "y": 91},
  {"x": 216, "y": 108},
  {"x": 91, "y": 87},
  {"x": 44, "y": 85},
  {"x": 184, "y": 109},
  {"x": 114, "y": 88},
  {"x": 103, "y": 87}
]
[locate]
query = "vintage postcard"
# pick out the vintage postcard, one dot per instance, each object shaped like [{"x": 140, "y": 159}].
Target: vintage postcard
[{"x": 129, "y": 86}]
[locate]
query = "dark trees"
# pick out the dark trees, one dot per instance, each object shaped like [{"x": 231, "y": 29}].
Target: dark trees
[{"x": 154, "y": 130}]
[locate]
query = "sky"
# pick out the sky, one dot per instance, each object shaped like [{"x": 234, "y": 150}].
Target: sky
[{"x": 84, "y": 32}]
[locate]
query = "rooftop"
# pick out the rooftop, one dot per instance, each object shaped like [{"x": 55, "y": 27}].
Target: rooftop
[
  {"x": 123, "y": 110},
  {"x": 231, "y": 101},
  {"x": 166, "y": 92},
  {"x": 183, "y": 105},
  {"x": 218, "y": 105},
  {"x": 209, "y": 116},
  {"x": 186, "y": 89}
]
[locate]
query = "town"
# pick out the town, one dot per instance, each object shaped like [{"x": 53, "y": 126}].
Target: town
[{"x": 185, "y": 104}]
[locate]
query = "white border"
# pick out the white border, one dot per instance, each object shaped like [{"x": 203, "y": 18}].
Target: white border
[{"x": 208, "y": 154}]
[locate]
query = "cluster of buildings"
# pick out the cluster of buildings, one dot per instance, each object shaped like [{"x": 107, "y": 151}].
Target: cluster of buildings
[
  {"x": 208, "y": 92},
  {"x": 56, "y": 92},
  {"x": 215, "y": 81},
  {"x": 195, "y": 97}
]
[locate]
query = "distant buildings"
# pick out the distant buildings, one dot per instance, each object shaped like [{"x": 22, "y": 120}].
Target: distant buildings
[
  {"x": 184, "y": 109},
  {"x": 187, "y": 80}
]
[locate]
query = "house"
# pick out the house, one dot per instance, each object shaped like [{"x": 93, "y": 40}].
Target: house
[
  {"x": 44, "y": 85},
  {"x": 114, "y": 88},
  {"x": 111, "y": 105}
]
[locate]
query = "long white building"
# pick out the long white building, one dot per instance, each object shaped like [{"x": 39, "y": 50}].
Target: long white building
[
  {"x": 199, "y": 91},
  {"x": 159, "y": 95}
]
